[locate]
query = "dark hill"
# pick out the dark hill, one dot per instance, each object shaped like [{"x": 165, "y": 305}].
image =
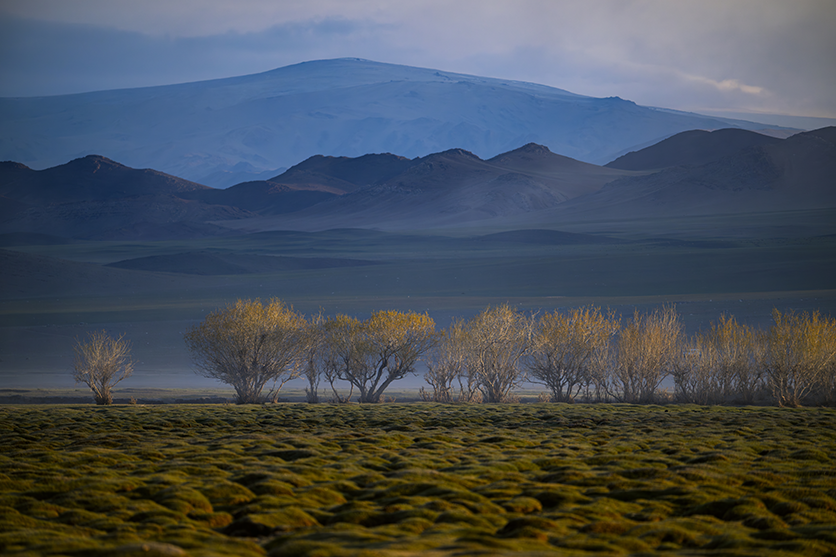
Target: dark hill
[
  {"x": 547, "y": 237},
  {"x": 693, "y": 147},
  {"x": 827, "y": 134},
  {"x": 32, "y": 239},
  {"x": 97, "y": 198},
  {"x": 797, "y": 173},
  {"x": 344, "y": 174},
  {"x": 315, "y": 179},
  {"x": 453, "y": 187},
  {"x": 267, "y": 197},
  {"x": 533, "y": 157},
  {"x": 211, "y": 263},
  {"x": 25, "y": 276},
  {"x": 92, "y": 178}
]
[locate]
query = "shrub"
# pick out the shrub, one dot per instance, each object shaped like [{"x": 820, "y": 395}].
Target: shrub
[{"x": 101, "y": 363}]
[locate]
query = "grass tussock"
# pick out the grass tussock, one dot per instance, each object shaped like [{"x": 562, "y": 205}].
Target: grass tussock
[{"x": 406, "y": 479}]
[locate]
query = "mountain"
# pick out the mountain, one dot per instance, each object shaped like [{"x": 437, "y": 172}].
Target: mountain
[
  {"x": 797, "y": 173},
  {"x": 693, "y": 147},
  {"x": 97, "y": 198},
  {"x": 90, "y": 177},
  {"x": 450, "y": 188},
  {"x": 226, "y": 131},
  {"x": 316, "y": 179},
  {"x": 528, "y": 187}
]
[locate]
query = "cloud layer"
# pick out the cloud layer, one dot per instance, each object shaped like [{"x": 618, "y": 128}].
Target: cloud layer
[{"x": 746, "y": 55}]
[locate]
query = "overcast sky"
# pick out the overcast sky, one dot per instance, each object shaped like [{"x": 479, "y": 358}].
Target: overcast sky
[{"x": 774, "y": 56}]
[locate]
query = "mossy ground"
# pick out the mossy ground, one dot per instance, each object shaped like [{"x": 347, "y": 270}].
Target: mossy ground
[{"x": 409, "y": 479}]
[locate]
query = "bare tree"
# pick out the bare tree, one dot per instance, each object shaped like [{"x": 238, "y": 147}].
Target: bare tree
[
  {"x": 446, "y": 364},
  {"x": 646, "y": 351},
  {"x": 248, "y": 344},
  {"x": 563, "y": 348},
  {"x": 800, "y": 350},
  {"x": 383, "y": 349},
  {"x": 696, "y": 371},
  {"x": 101, "y": 362},
  {"x": 739, "y": 352},
  {"x": 498, "y": 338},
  {"x": 315, "y": 357},
  {"x": 339, "y": 350},
  {"x": 721, "y": 365}
]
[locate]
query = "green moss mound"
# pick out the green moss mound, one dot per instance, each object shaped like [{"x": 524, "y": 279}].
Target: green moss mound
[{"x": 416, "y": 479}]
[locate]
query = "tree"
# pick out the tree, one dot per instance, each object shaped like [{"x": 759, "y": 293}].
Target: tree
[
  {"x": 563, "y": 348},
  {"x": 497, "y": 340},
  {"x": 800, "y": 351},
  {"x": 248, "y": 344},
  {"x": 101, "y": 362},
  {"x": 314, "y": 357},
  {"x": 741, "y": 352},
  {"x": 338, "y": 351},
  {"x": 696, "y": 371},
  {"x": 446, "y": 364},
  {"x": 646, "y": 352},
  {"x": 383, "y": 349}
]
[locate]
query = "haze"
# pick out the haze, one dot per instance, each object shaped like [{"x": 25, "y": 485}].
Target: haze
[{"x": 748, "y": 58}]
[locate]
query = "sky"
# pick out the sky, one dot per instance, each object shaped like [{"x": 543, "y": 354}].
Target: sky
[{"x": 725, "y": 57}]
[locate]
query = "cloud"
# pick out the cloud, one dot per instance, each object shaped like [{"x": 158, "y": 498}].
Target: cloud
[
  {"x": 757, "y": 55},
  {"x": 45, "y": 58}
]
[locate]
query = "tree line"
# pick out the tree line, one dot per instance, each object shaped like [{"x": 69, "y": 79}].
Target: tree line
[{"x": 583, "y": 354}]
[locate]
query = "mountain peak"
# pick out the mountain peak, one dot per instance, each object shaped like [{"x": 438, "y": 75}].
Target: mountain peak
[
  {"x": 691, "y": 148},
  {"x": 534, "y": 148},
  {"x": 457, "y": 152},
  {"x": 12, "y": 165},
  {"x": 94, "y": 163}
]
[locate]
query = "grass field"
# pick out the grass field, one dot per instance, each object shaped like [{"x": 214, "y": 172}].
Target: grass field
[{"x": 417, "y": 479}]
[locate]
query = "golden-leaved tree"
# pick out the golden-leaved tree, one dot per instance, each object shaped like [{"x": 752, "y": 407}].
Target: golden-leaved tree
[
  {"x": 249, "y": 344},
  {"x": 372, "y": 354},
  {"x": 564, "y": 346},
  {"x": 720, "y": 365},
  {"x": 646, "y": 353},
  {"x": 800, "y": 354}
]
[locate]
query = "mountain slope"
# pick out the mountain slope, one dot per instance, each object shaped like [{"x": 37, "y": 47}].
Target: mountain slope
[
  {"x": 796, "y": 173},
  {"x": 450, "y": 187},
  {"x": 691, "y": 148},
  {"x": 97, "y": 198},
  {"x": 90, "y": 177},
  {"x": 234, "y": 129}
]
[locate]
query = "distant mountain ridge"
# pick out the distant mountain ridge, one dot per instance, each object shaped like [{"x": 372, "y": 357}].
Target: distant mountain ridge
[
  {"x": 95, "y": 197},
  {"x": 693, "y": 147},
  {"x": 528, "y": 187},
  {"x": 796, "y": 173},
  {"x": 227, "y": 131}
]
